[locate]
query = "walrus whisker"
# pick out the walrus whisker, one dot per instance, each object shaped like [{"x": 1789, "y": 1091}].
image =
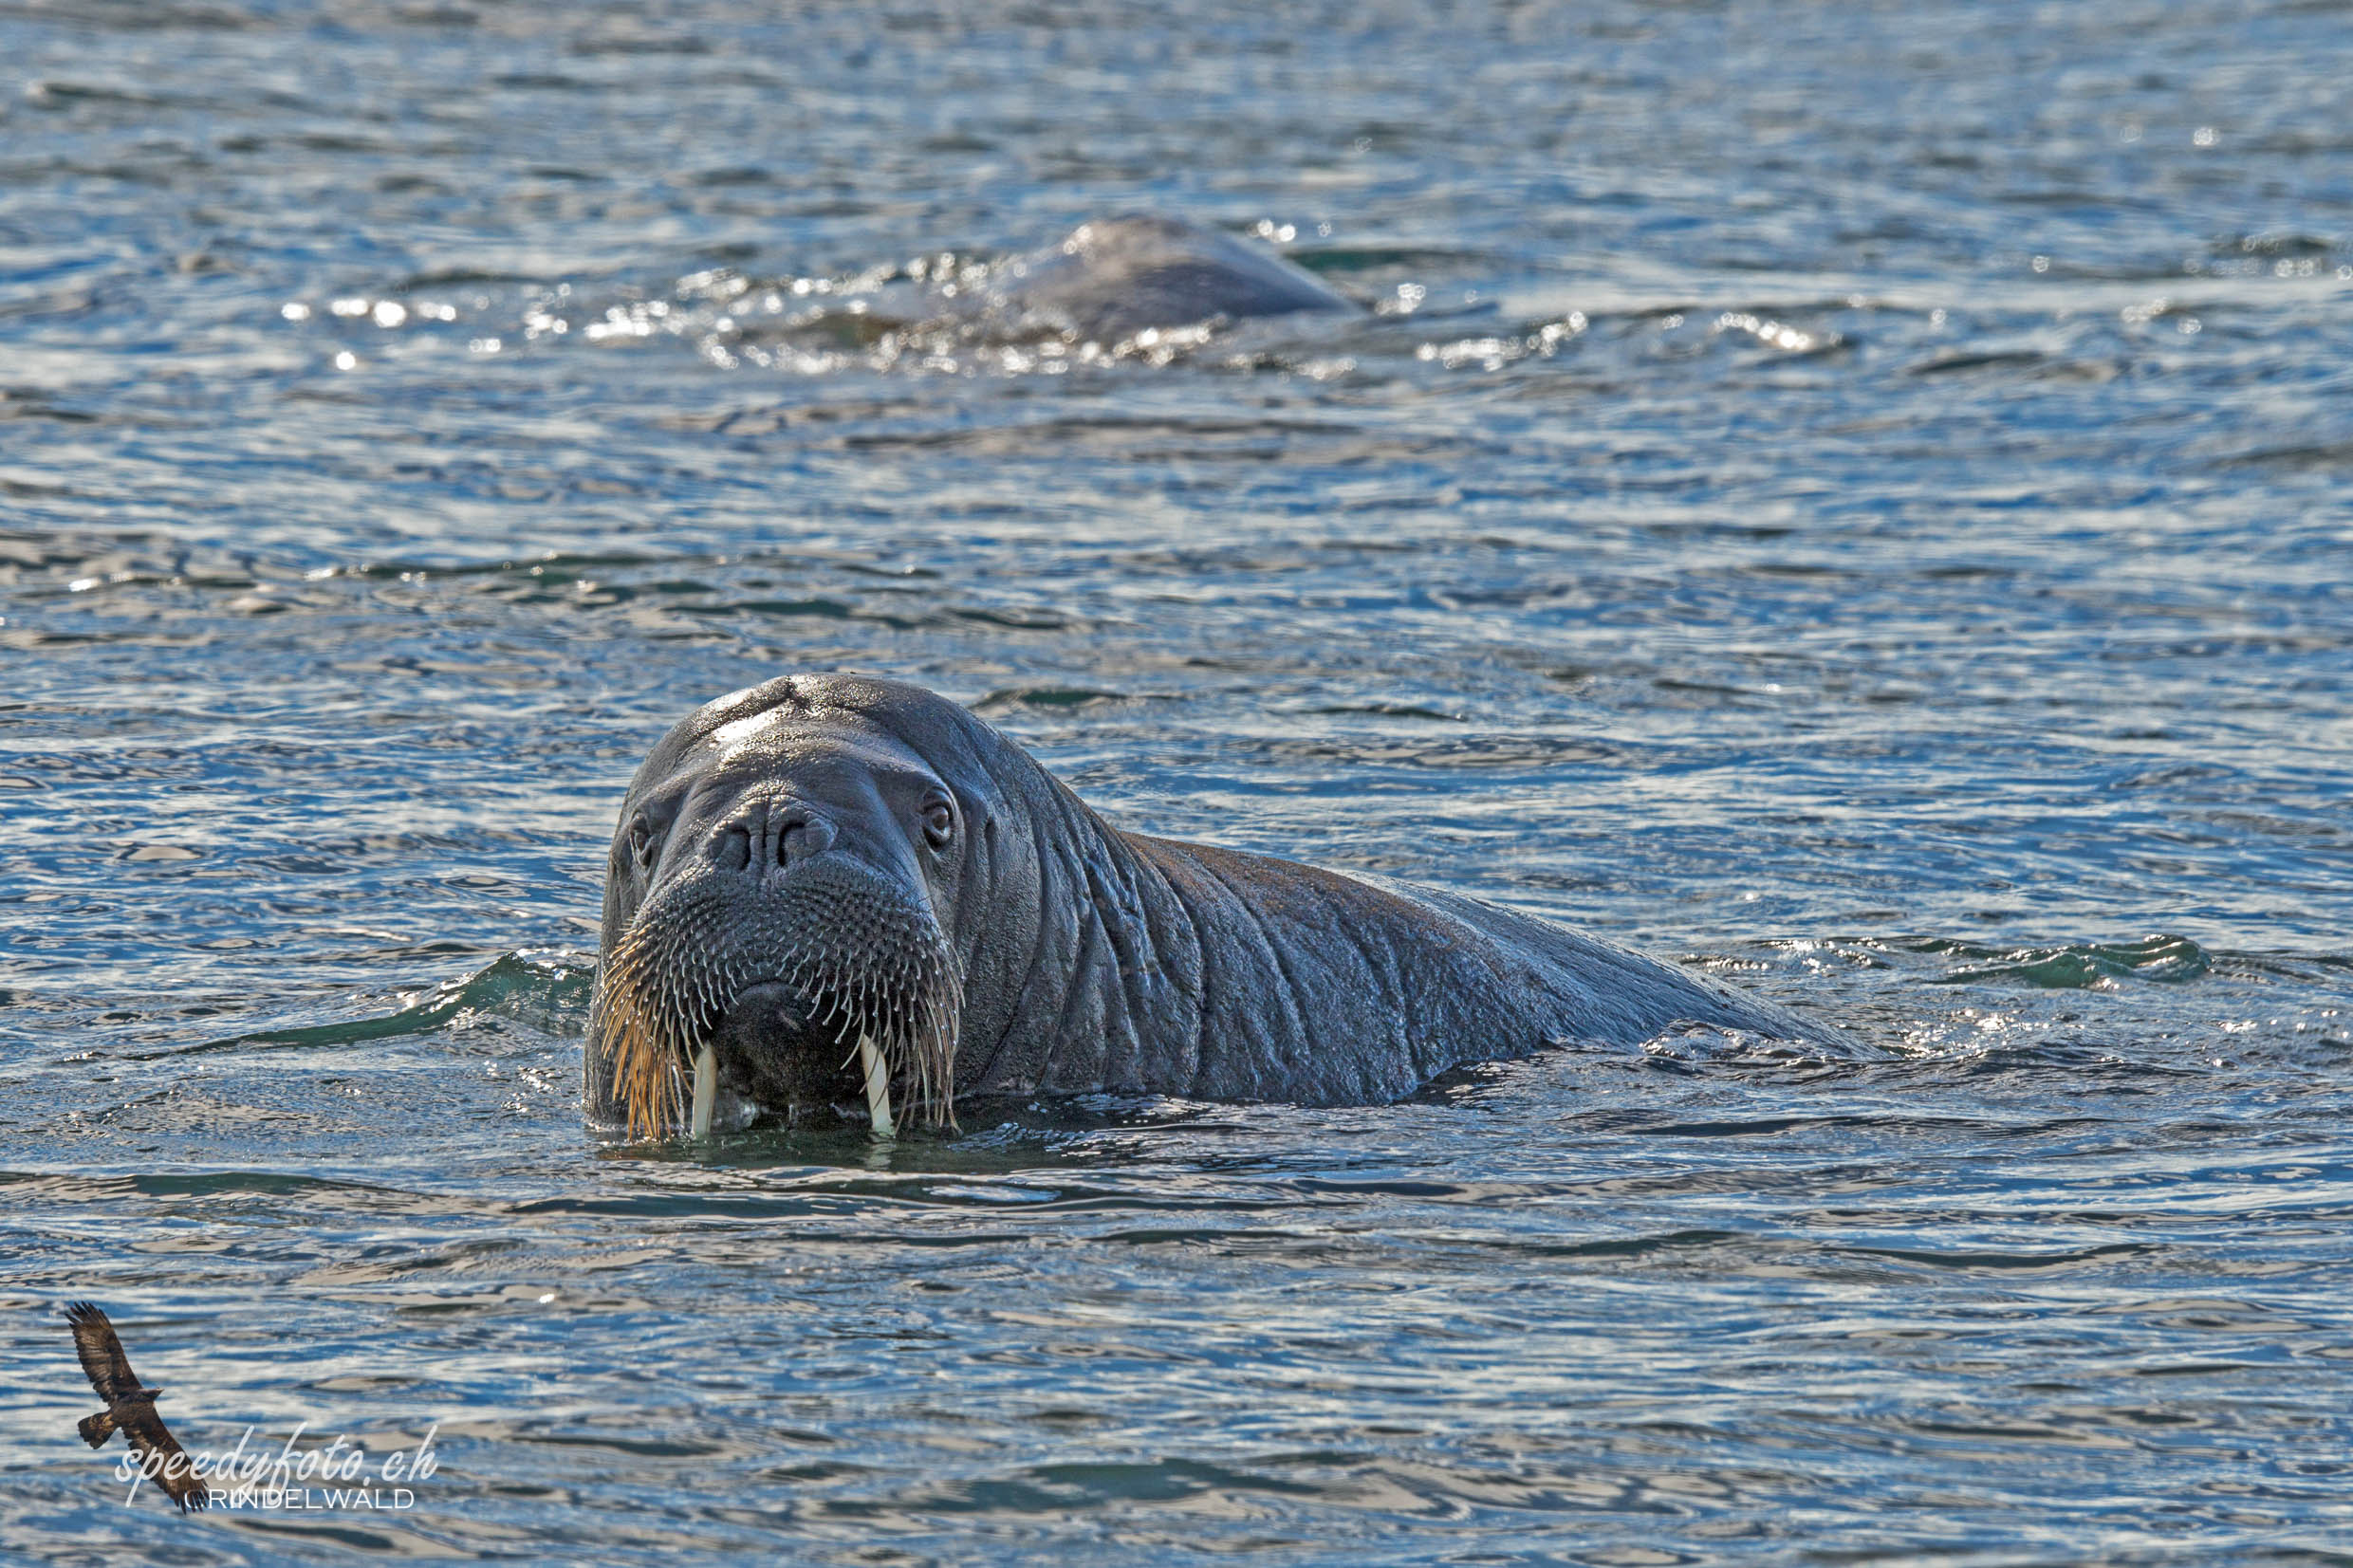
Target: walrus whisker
[{"x": 879, "y": 979}]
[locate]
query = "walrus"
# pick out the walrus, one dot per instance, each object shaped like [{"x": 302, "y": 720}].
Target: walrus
[
  {"x": 1112, "y": 278},
  {"x": 831, "y": 890}
]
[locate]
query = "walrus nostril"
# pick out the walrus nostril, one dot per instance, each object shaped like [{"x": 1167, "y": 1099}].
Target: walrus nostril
[
  {"x": 734, "y": 849},
  {"x": 804, "y": 834}
]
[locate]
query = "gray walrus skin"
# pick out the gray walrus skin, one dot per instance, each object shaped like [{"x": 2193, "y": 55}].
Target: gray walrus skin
[
  {"x": 1112, "y": 277},
  {"x": 823, "y": 856}
]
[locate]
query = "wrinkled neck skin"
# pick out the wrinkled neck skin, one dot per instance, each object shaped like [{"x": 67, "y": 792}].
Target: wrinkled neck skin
[{"x": 1084, "y": 975}]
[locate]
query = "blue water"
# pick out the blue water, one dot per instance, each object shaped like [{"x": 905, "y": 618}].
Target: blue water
[{"x": 1854, "y": 499}]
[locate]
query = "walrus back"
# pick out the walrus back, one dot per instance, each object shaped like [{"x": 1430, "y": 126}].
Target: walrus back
[
  {"x": 1323, "y": 988},
  {"x": 1115, "y": 276},
  {"x": 1630, "y": 990}
]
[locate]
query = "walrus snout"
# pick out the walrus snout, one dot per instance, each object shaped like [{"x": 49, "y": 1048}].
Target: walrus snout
[{"x": 780, "y": 965}]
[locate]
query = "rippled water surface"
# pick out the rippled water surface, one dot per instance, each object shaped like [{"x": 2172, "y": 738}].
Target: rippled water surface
[{"x": 1852, "y": 498}]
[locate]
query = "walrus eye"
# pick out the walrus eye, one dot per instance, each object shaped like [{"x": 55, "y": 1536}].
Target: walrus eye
[
  {"x": 641, "y": 839},
  {"x": 939, "y": 821}
]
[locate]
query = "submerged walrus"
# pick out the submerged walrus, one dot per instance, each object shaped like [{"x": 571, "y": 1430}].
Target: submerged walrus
[
  {"x": 1111, "y": 278},
  {"x": 830, "y": 888}
]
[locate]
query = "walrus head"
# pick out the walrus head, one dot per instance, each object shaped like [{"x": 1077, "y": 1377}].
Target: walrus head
[{"x": 779, "y": 904}]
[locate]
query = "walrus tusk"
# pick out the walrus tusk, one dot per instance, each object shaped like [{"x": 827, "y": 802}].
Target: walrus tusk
[
  {"x": 877, "y": 1088},
  {"x": 705, "y": 1092}
]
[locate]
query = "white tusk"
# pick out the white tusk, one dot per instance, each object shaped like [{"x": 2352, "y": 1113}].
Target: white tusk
[
  {"x": 705, "y": 1092},
  {"x": 877, "y": 1088}
]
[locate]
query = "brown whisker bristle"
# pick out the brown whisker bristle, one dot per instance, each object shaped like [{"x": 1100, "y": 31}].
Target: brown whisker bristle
[
  {"x": 640, "y": 1038},
  {"x": 862, "y": 964}
]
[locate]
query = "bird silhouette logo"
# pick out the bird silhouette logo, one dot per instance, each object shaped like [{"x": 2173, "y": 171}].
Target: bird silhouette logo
[{"x": 130, "y": 1409}]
